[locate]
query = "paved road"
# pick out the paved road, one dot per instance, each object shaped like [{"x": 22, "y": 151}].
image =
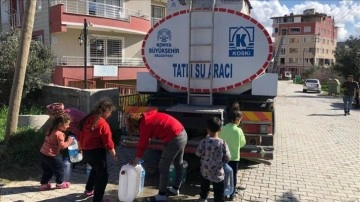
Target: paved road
[{"x": 316, "y": 159}]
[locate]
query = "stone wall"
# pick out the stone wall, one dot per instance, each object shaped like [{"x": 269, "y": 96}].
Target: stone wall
[{"x": 82, "y": 99}]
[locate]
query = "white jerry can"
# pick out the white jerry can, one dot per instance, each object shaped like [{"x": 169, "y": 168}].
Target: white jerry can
[{"x": 129, "y": 182}]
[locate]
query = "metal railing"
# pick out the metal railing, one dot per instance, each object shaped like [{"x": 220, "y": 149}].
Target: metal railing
[
  {"x": 15, "y": 20},
  {"x": 79, "y": 61},
  {"x": 154, "y": 21},
  {"x": 98, "y": 9},
  {"x": 77, "y": 83},
  {"x": 123, "y": 88}
]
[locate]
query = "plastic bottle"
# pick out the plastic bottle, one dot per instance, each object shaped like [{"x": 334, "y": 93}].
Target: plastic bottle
[
  {"x": 172, "y": 173},
  {"x": 88, "y": 169},
  {"x": 74, "y": 154},
  {"x": 142, "y": 177},
  {"x": 229, "y": 180},
  {"x": 67, "y": 169},
  {"x": 129, "y": 182}
]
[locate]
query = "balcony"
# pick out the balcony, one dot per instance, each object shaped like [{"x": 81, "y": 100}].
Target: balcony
[
  {"x": 107, "y": 17},
  {"x": 154, "y": 21},
  {"x": 79, "y": 61},
  {"x": 98, "y": 10},
  {"x": 9, "y": 21}
]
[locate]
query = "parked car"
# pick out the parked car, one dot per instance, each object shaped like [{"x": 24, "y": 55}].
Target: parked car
[
  {"x": 287, "y": 75},
  {"x": 312, "y": 85}
]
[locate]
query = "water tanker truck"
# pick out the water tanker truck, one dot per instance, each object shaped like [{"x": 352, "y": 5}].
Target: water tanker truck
[{"x": 203, "y": 56}]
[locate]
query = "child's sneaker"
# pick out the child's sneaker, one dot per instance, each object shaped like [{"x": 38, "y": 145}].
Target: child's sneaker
[
  {"x": 63, "y": 185},
  {"x": 45, "y": 187},
  {"x": 173, "y": 191},
  {"x": 86, "y": 195}
]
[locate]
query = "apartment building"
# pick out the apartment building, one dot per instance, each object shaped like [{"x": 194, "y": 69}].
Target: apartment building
[
  {"x": 100, "y": 37},
  {"x": 303, "y": 41}
]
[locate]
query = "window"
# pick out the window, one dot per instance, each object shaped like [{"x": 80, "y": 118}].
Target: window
[
  {"x": 5, "y": 11},
  {"x": 295, "y": 30},
  {"x": 294, "y": 40},
  {"x": 307, "y": 29},
  {"x": 293, "y": 50},
  {"x": 293, "y": 60},
  {"x": 282, "y": 61},
  {"x": 282, "y": 51},
  {"x": 307, "y": 39},
  {"x": 38, "y": 38},
  {"x": 276, "y": 30},
  {"x": 157, "y": 11},
  {"x": 111, "y": 52},
  {"x": 38, "y": 5}
]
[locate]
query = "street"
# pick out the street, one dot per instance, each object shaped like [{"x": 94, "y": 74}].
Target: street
[{"x": 316, "y": 158}]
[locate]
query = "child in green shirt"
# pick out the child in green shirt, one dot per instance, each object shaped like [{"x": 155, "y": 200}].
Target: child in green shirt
[{"x": 235, "y": 139}]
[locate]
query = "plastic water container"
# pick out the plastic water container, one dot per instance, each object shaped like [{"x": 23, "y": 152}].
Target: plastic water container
[
  {"x": 228, "y": 181},
  {"x": 74, "y": 154},
  {"x": 172, "y": 173},
  {"x": 142, "y": 177},
  {"x": 129, "y": 182},
  {"x": 67, "y": 169}
]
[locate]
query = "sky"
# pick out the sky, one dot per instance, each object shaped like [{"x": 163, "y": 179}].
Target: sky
[{"x": 345, "y": 12}]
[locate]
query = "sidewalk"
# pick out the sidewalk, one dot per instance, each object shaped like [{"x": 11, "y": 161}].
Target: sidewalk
[{"x": 28, "y": 191}]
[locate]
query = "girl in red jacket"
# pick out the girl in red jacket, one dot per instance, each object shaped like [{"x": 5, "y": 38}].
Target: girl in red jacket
[
  {"x": 157, "y": 125},
  {"x": 51, "y": 159},
  {"x": 95, "y": 138}
]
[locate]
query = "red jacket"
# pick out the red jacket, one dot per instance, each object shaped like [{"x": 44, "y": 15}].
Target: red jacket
[
  {"x": 99, "y": 136},
  {"x": 157, "y": 125}
]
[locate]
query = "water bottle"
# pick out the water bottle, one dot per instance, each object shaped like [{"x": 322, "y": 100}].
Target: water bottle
[
  {"x": 67, "y": 169},
  {"x": 228, "y": 181},
  {"x": 171, "y": 175},
  {"x": 88, "y": 169},
  {"x": 142, "y": 177},
  {"x": 74, "y": 154}
]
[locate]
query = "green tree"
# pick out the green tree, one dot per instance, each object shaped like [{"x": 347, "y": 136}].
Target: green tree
[
  {"x": 348, "y": 58},
  {"x": 39, "y": 69}
]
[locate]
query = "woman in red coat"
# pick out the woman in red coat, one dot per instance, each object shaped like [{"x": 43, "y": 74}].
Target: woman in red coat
[{"x": 161, "y": 126}]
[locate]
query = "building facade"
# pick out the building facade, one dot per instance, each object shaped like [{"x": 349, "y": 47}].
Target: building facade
[
  {"x": 114, "y": 33},
  {"x": 303, "y": 41},
  {"x": 96, "y": 40}
]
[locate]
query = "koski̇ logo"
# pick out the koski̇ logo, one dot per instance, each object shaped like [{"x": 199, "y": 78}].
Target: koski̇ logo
[
  {"x": 164, "y": 35},
  {"x": 241, "y": 41}
]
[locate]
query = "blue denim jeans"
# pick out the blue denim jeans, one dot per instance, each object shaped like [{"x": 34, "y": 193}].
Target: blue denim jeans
[{"x": 347, "y": 102}]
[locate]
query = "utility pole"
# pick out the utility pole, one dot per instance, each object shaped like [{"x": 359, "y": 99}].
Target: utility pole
[{"x": 20, "y": 69}]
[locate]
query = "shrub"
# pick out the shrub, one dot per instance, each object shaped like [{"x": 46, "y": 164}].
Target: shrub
[{"x": 22, "y": 149}]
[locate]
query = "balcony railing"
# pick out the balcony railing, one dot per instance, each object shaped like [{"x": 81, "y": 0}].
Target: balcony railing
[
  {"x": 154, "y": 21},
  {"x": 98, "y": 9},
  {"x": 79, "y": 61},
  {"x": 15, "y": 19}
]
